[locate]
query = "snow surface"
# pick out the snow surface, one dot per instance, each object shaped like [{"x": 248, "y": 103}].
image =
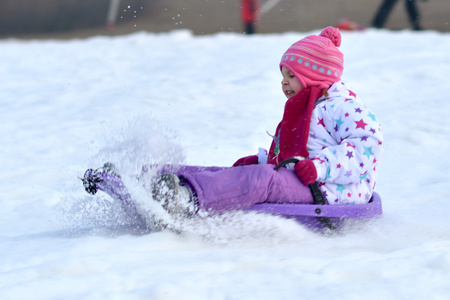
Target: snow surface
[{"x": 207, "y": 100}]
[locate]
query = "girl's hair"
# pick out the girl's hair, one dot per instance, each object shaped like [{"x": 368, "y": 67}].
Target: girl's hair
[{"x": 325, "y": 93}]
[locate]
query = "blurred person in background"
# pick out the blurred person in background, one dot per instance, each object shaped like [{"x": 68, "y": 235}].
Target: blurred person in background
[
  {"x": 386, "y": 8},
  {"x": 249, "y": 15}
]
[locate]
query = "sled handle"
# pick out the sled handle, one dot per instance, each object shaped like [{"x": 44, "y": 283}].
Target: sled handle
[{"x": 315, "y": 190}]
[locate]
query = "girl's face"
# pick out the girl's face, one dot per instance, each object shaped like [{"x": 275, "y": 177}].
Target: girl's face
[{"x": 290, "y": 84}]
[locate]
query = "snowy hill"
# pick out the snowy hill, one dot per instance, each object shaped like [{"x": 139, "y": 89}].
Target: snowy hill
[{"x": 68, "y": 106}]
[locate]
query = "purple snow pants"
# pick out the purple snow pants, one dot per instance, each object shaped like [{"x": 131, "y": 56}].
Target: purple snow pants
[{"x": 221, "y": 189}]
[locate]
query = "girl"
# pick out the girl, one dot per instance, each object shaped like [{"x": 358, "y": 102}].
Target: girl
[{"x": 336, "y": 137}]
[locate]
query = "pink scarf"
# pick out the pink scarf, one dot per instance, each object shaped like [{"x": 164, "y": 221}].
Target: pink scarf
[{"x": 293, "y": 131}]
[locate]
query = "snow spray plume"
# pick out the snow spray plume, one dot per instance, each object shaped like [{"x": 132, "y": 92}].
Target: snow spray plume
[
  {"x": 129, "y": 146},
  {"x": 141, "y": 141}
]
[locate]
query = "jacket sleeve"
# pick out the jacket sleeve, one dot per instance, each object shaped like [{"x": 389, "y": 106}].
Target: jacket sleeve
[{"x": 356, "y": 144}]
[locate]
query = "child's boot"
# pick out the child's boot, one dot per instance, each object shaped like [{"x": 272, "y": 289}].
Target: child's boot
[
  {"x": 174, "y": 197},
  {"x": 94, "y": 179}
]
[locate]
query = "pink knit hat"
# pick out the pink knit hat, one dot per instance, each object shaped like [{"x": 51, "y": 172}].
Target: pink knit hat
[{"x": 316, "y": 60}]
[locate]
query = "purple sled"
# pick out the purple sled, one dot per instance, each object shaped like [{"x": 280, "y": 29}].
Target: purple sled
[{"x": 310, "y": 214}]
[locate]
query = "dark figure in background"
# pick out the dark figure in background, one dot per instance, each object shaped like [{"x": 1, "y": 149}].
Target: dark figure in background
[
  {"x": 249, "y": 15},
  {"x": 386, "y": 7}
]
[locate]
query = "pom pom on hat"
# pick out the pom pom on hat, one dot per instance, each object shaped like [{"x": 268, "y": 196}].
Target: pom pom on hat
[
  {"x": 315, "y": 60},
  {"x": 332, "y": 34}
]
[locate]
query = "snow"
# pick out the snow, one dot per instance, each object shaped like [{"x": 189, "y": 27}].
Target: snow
[{"x": 207, "y": 100}]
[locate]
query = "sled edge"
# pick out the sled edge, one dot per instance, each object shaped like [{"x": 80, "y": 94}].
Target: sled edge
[{"x": 358, "y": 211}]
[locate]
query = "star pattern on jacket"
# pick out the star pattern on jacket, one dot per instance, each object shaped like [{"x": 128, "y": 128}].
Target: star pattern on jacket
[{"x": 345, "y": 143}]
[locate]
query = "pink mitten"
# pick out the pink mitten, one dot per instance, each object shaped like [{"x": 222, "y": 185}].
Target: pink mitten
[
  {"x": 306, "y": 171},
  {"x": 248, "y": 160}
]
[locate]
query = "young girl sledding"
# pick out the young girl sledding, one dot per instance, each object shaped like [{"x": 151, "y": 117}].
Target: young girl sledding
[{"x": 335, "y": 138}]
